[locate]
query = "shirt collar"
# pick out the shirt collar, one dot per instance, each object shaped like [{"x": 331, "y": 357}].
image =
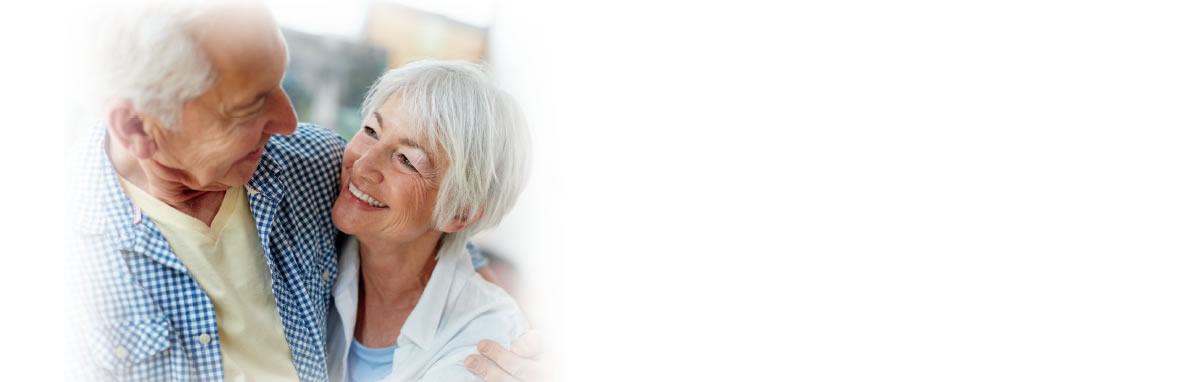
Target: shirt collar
[
  {"x": 346, "y": 290},
  {"x": 424, "y": 320},
  {"x": 266, "y": 179},
  {"x": 103, "y": 211},
  {"x": 423, "y": 323},
  {"x": 102, "y": 207}
]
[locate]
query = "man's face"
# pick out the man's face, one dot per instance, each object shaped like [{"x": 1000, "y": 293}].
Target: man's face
[{"x": 221, "y": 135}]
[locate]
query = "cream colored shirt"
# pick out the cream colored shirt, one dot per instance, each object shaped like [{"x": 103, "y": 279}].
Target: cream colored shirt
[{"x": 227, "y": 261}]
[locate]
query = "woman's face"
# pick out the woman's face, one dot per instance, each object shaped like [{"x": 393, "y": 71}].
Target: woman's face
[{"x": 390, "y": 180}]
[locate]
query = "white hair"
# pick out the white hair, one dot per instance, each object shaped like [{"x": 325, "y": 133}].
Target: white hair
[
  {"x": 145, "y": 52},
  {"x": 456, "y": 106}
]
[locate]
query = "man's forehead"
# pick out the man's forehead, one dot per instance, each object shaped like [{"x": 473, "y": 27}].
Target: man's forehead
[
  {"x": 240, "y": 36},
  {"x": 247, "y": 52}
]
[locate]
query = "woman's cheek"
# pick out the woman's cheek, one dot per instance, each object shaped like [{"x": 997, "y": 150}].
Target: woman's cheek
[{"x": 353, "y": 151}]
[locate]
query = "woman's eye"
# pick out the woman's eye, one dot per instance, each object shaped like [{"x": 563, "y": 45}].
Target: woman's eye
[
  {"x": 406, "y": 161},
  {"x": 370, "y": 132}
]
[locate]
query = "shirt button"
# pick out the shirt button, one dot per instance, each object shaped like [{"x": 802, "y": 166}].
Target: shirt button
[
  {"x": 121, "y": 352},
  {"x": 326, "y": 274},
  {"x": 204, "y": 339}
]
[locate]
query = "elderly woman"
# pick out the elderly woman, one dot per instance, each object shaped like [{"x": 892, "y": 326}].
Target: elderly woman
[{"x": 440, "y": 157}]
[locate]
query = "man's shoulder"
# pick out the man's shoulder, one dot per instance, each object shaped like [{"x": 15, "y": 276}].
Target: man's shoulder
[
  {"x": 312, "y": 154},
  {"x": 308, "y": 140}
]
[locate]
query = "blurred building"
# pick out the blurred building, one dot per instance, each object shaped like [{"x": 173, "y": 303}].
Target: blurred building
[
  {"x": 330, "y": 73},
  {"x": 409, "y": 34},
  {"x": 328, "y": 77}
]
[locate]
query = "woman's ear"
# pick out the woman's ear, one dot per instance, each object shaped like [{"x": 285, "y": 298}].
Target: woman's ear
[
  {"x": 460, "y": 222},
  {"x": 128, "y": 129}
]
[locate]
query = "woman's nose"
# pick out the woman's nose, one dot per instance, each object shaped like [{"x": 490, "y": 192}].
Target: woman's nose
[{"x": 367, "y": 166}]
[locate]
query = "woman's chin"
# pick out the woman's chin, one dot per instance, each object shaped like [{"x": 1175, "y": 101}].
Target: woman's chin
[{"x": 343, "y": 219}]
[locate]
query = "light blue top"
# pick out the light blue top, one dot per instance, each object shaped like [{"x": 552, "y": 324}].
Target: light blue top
[{"x": 367, "y": 364}]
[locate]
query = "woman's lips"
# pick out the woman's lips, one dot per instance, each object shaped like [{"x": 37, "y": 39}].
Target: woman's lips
[{"x": 364, "y": 197}]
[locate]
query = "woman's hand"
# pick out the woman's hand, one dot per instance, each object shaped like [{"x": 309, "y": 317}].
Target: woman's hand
[{"x": 519, "y": 363}]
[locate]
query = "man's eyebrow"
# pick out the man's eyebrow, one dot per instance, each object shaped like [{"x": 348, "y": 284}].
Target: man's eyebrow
[
  {"x": 380, "y": 121},
  {"x": 252, "y": 102}
]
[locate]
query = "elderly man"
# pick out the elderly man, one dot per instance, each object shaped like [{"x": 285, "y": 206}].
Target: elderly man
[{"x": 207, "y": 250}]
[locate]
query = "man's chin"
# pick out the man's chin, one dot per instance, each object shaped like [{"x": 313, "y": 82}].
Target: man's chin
[
  {"x": 224, "y": 184},
  {"x": 215, "y": 187},
  {"x": 239, "y": 177}
]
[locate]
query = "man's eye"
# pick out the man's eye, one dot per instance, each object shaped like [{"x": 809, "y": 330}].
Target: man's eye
[
  {"x": 406, "y": 161},
  {"x": 370, "y": 132},
  {"x": 256, "y": 106}
]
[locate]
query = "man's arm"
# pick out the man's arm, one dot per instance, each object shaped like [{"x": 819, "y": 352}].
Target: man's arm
[{"x": 519, "y": 363}]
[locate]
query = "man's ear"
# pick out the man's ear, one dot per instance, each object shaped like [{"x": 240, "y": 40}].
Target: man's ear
[
  {"x": 128, "y": 128},
  {"x": 460, "y": 222}
]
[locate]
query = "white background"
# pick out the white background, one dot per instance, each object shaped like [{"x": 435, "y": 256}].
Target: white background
[{"x": 816, "y": 191}]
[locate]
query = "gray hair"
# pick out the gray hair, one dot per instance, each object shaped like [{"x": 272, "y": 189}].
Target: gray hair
[
  {"x": 456, "y": 106},
  {"x": 145, "y": 52}
]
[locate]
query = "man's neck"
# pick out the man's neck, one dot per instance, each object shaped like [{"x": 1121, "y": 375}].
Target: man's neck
[{"x": 201, "y": 205}]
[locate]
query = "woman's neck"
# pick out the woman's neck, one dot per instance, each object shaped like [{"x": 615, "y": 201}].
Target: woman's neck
[
  {"x": 391, "y": 269},
  {"x": 393, "y": 276}
]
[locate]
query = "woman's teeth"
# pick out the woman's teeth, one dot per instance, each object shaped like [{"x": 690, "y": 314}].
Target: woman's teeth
[{"x": 364, "y": 196}]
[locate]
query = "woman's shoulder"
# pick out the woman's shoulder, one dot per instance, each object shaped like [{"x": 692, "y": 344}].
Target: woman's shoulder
[
  {"x": 475, "y": 294},
  {"x": 476, "y": 310},
  {"x": 483, "y": 310}
]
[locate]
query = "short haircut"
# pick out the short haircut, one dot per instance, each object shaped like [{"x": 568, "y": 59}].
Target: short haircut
[
  {"x": 145, "y": 52},
  {"x": 455, "y": 105}
]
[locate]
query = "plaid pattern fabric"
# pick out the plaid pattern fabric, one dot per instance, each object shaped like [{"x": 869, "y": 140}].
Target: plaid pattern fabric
[{"x": 142, "y": 317}]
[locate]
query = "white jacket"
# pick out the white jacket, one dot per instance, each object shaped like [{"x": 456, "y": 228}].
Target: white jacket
[{"x": 457, "y": 310}]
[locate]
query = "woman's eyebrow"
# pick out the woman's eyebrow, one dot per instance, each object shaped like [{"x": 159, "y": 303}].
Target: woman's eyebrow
[
  {"x": 411, "y": 143},
  {"x": 416, "y": 146},
  {"x": 404, "y": 141}
]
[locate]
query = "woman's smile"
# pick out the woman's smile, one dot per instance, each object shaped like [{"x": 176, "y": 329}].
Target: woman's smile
[{"x": 365, "y": 198}]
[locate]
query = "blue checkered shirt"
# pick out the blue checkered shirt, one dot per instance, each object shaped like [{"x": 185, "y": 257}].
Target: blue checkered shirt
[{"x": 142, "y": 317}]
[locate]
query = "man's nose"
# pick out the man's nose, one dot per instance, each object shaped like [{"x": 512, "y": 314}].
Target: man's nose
[{"x": 282, "y": 119}]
